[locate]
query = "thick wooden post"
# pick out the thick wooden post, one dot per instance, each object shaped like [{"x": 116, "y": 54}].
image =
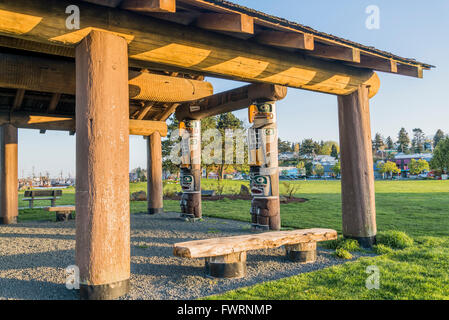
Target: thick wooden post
[
  {"x": 264, "y": 170},
  {"x": 191, "y": 170},
  {"x": 154, "y": 170},
  {"x": 357, "y": 172},
  {"x": 102, "y": 166},
  {"x": 9, "y": 183}
]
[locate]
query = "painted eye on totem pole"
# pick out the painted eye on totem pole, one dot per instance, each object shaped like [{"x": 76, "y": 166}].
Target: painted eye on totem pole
[
  {"x": 187, "y": 179},
  {"x": 265, "y": 108},
  {"x": 261, "y": 180},
  {"x": 269, "y": 132}
]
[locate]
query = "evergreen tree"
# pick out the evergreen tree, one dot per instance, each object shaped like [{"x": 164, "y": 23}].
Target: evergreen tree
[
  {"x": 418, "y": 141},
  {"x": 378, "y": 143},
  {"x": 438, "y": 136},
  {"x": 403, "y": 141},
  {"x": 334, "y": 152},
  {"x": 389, "y": 142}
]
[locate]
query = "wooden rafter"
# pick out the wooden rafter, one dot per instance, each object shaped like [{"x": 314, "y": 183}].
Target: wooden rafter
[
  {"x": 335, "y": 52},
  {"x": 18, "y": 99},
  {"x": 294, "y": 40},
  {"x": 144, "y": 111},
  {"x": 240, "y": 23},
  {"x": 167, "y": 112},
  {"x": 150, "y": 5},
  {"x": 54, "y": 102}
]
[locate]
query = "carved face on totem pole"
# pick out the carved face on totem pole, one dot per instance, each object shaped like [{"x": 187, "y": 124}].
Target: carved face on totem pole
[
  {"x": 260, "y": 185},
  {"x": 187, "y": 182}
]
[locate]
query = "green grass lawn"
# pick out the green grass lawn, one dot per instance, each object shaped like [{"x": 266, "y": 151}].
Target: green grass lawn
[{"x": 419, "y": 208}]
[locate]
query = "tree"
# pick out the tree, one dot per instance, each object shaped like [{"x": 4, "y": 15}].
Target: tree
[
  {"x": 334, "y": 151},
  {"x": 309, "y": 169},
  {"x": 284, "y": 146},
  {"x": 326, "y": 147},
  {"x": 438, "y": 136},
  {"x": 227, "y": 121},
  {"x": 403, "y": 141},
  {"x": 307, "y": 147},
  {"x": 418, "y": 141},
  {"x": 440, "y": 160},
  {"x": 417, "y": 167},
  {"x": 378, "y": 143},
  {"x": 301, "y": 168},
  {"x": 319, "y": 170},
  {"x": 337, "y": 169},
  {"x": 388, "y": 167},
  {"x": 389, "y": 142}
]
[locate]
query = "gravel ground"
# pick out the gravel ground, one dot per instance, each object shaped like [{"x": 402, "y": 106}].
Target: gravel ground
[{"x": 34, "y": 255}]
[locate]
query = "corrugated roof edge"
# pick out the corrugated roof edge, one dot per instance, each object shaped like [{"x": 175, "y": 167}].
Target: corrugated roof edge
[{"x": 300, "y": 27}]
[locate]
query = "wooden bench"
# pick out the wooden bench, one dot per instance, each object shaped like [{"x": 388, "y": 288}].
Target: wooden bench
[
  {"x": 226, "y": 257},
  {"x": 207, "y": 193},
  {"x": 51, "y": 195},
  {"x": 63, "y": 213}
]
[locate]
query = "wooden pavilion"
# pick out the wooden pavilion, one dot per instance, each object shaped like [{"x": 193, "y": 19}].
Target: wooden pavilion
[{"x": 130, "y": 64}]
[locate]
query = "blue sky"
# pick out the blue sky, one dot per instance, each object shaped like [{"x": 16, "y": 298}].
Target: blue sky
[{"x": 409, "y": 28}]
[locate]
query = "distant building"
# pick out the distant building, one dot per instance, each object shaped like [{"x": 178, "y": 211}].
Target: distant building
[{"x": 403, "y": 160}]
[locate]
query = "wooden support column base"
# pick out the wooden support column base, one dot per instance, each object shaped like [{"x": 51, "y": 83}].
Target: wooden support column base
[
  {"x": 104, "y": 291},
  {"x": 364, "y": 242},
  {"x": 155, "y": 210},
  {"x": 63, "y": 216},
  {"x": 265, "y": 214},
  {"x": 8, "y": 220},
  {"x": 301, "y": 252},
  {"x": 228, "y": 266}
]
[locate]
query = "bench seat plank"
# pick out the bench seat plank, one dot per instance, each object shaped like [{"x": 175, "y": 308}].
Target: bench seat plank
[
  {"x": 60, "y": 209},
  {"x": 40, "y": 198},
  {"x": 228, "y": 245}
]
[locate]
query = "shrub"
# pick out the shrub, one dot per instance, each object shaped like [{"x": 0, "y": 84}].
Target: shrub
[
  {"x": 394, "y": 239},
  {"x": 290, "y": 188},
  {"x": 343, "y": 253},
  {"x": 350, "y": 245},
  {"x": 342, "y": 243},
  {"x": 382, "y": 249}
]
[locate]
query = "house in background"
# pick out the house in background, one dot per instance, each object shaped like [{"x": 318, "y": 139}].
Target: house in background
[{"x": 403, "y": 160}]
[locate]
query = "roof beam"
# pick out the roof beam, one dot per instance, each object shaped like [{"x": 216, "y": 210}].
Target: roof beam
[
  {"x": 377, "y": 63},
  {"x": 50, "y": 75},
  {"x": 67, "y": 123},
  {"x": 18, "y": 99},
  {"x": 228, "y": 22},
  {"x": 149, "y": 5},
  {"x": 167, "y": 112},
  {"x": 230, "y": 100},
  {"x": 286, "y": 39},
  {"x": 53, "y": 102},
  {"x": 411, "y": 71},
  {"x": 153, "y": 41},
  {"x": 336, "y": 52},
  {"x": 142, "y": 113},
  {"x": 107, "y": 3}
]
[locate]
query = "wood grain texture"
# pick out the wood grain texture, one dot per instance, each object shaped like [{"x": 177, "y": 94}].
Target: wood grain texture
[
  {"x": 56, "y": 76},
  {"x": 194, "y": 49},
  {"x": 229, "y": 245},
  {"x": 154, "y": 170},
  {"x": 357, "y": 176},
  {"x": 9, "y": 174},
  {"x": 68, "y": 123},
  {"x": 102, "y": 160}
]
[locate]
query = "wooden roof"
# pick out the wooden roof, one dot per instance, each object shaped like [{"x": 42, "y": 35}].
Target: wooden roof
[{"x": 242, "y": 22}]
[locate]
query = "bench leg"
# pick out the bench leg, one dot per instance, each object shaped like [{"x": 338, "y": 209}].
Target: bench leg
[
  {"x": 228, "y": 266},
  {"x": 301, "y": 252},
  {"x": 63, "y": 216}
]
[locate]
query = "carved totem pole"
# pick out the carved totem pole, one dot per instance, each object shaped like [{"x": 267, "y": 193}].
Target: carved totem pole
[
  {"x": 264, "y": 171},
  {"x": 190, "y": 131}
]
